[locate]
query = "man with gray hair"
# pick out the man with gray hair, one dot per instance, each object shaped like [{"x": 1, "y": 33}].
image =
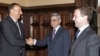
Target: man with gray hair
[{"x": 57, "y": 40}]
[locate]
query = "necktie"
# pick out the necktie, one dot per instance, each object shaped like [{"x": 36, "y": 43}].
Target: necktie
[
  {"x": 53, "y": 34},
  {"x": 76, "y": 34},
  {"x": 18, "y": 28}
]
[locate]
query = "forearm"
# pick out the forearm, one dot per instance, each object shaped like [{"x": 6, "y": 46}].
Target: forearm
[{"x": 40, "y": 43}]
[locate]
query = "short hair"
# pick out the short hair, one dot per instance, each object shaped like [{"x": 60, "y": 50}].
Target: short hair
[
  {"x": 57, "y": 15},
  {"x": 86, "y": 11},
  {"x": 12, "y": 6}
]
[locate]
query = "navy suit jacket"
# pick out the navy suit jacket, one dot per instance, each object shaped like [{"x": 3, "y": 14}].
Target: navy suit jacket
[
  {"x": 59, "y": 46},
  {"x": 11, "y": 43}
]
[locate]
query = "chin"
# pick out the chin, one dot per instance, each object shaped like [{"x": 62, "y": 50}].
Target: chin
[
  {"x": 76, "y": 26},
  {"x": 53, "y": 27}
]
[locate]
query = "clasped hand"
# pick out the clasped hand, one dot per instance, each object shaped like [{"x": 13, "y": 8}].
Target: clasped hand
[{"x": 29, "y": 41}]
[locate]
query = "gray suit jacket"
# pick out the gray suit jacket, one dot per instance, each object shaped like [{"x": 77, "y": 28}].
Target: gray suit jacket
[
  {"x": 87, "y": 44},
  {"x": 11, "y": 43}
]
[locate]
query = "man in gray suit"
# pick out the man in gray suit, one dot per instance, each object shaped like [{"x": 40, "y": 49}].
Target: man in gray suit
[
  {"x": 12, "y": 41},
  {"x": 87, "y": 42}
]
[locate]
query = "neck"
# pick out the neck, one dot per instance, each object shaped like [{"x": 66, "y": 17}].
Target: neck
[
  {"x": 55, "y": 27},
  {"x": 13, "y": 18},
  {"x": 11, "y": 15},
  {"x": 84, "y": 25}
]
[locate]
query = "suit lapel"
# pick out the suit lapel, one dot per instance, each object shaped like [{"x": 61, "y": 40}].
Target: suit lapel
[
  {"x": 57, "y": 34},
  {"x": 11, "y": 21},
  {"x": 80, "y": 38},
  {"x": 14, "y": 24}
]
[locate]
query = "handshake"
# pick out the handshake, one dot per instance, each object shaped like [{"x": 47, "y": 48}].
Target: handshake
[{"x": 30, "y": 41}]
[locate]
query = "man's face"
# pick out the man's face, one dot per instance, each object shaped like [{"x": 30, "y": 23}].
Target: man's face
[
  {"x": 78, "y": 18},
  {"x": 55, "y": 22},
  {"x": 16, "y": 12}
]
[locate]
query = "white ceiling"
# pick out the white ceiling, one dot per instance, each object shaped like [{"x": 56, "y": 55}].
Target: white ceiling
[{"x": 98, "y": 2}]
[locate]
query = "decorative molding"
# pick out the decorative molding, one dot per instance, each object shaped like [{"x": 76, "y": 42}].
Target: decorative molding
[
  {"x": 45, "y": 24},
  {"x": 41, "y": 7},
  {"x": 51, "y": 6},
  {"x": 35, "y": 24},
  {"x": 69, "y": 24}
]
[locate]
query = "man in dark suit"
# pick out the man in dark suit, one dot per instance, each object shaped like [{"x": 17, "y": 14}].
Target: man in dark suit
[
  {"x": 87, "y": 42},
  {"x": 12, "y": 41},
  {"x": 57, "y": 40}
]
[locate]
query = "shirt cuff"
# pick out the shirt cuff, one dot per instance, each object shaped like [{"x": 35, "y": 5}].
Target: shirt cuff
[{"x": 34, "y": 41}]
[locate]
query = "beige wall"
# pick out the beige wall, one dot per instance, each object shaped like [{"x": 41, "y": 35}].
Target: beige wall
[
  {"x": 12, "y": 1},
  {"x": 46, "y": 2},
  {"x": 37, "y": 2},
  {"x": 99, "y": 24}
]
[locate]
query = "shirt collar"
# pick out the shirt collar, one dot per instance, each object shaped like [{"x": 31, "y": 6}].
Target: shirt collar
[
  {"x": 83, "y": 27},
  {"x": 13, "y": 19},
  {"x": 56, "y": 29}
]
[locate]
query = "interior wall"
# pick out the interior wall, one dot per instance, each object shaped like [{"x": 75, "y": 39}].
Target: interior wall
[
  {"x": 46, "y": 2},
  {"x": 28, "y": 3},
  {"x": 13, "y": 1}
]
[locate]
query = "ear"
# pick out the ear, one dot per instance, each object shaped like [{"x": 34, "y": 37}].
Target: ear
[
  {"x": 11, "y": 10},
  {"x": 60, "y": 21}
]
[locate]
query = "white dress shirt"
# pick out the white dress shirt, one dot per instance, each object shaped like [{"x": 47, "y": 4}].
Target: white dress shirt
[
  {"x": 13, "y": 19},
  {"x": 56, "y": 29},
  {"x": 82, "y": 29}
]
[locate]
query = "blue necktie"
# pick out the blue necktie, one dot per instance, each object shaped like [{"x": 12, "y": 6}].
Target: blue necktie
[{"x": 76, "y": 34}]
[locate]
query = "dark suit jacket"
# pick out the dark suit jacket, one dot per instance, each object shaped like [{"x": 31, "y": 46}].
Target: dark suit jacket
[
  {"x": 59, "y": 46},
  {"x": 87, "y": 44},
  {"x": 11, "y": 43}
]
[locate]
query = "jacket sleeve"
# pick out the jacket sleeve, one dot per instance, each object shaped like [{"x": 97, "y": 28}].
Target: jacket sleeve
[
  {"x": 93, "y": 45},
  {"x": 43, "y": 42},
  {"x": 67, "y": 43}
]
